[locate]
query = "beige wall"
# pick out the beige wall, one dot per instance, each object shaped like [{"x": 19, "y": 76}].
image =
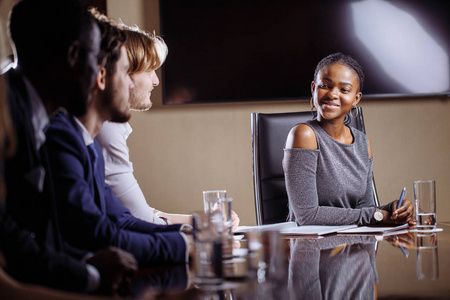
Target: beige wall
[{"x": 179, "y": 151}]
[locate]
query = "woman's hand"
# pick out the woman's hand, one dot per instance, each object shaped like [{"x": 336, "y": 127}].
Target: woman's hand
[
  {"x": 403, "y": 214},
  {"x": 387, "y": 219},
  {"x": 405, "y": 240}
]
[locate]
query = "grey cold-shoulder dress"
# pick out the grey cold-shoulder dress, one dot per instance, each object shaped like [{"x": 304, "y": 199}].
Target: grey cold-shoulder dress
[{"x": 331, "y": 185}]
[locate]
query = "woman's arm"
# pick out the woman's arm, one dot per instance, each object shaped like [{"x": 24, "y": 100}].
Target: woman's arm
[
  {"x": 300, "y": 166},
  {"x": 391, "y": 215}
]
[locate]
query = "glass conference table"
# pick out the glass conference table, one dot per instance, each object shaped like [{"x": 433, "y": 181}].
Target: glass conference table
[{"x": 403, "y": 266}]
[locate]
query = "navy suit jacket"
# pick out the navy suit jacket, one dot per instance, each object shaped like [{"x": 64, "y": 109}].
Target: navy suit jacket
[
  {"x": 28, "y": 205},
  {"x": 28, "y": 260},
  {"x": 91, "y": 216},
  {"x": 29, "y": 233}
]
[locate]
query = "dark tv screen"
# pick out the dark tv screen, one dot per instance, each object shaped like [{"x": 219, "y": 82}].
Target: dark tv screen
[{"x": 249, "y": 50}]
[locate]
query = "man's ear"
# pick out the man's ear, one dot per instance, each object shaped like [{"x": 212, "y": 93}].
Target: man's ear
[
  {"x": 72, "y": 54},
  {"x": 101, "y": 79}
]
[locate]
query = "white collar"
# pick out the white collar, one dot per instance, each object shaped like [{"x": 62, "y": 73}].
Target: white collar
[
  {"x": 128, "y": 129},
  {"x": 86, "y": 136},
  {"x": 39, "y": 117}
]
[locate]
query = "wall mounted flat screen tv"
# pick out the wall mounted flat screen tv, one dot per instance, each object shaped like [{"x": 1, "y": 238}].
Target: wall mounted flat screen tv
[{"x": 252, "y": 50}]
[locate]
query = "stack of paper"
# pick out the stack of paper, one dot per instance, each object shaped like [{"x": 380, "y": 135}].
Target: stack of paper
[
  {"x": 375, "y": 229},
  {"x": 315, "y": 229},
  {"x": 276, "y": 226},
  {"x": 291, "y": 228}
]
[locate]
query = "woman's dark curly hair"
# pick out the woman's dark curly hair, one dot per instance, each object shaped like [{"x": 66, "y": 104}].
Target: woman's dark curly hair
[{"x": 339, "y": 58}]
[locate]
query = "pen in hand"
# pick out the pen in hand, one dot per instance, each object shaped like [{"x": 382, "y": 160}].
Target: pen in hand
[
  {"x": 400, "y": 200},
  {"x": 402, "y": 196}
]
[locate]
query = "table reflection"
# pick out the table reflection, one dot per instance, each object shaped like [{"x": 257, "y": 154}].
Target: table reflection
[
  {"x": 159, "y": 280},
  {"x": 426, "y": 246},
  {"x": 427, "y": 266},
  {"x": 334, "y": 267},
  {"x": 269, "y": 266}
]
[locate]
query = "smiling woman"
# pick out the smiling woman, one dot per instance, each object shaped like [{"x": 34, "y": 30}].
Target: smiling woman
[
  {"x": 336, "y": 89},
  {"x": 328, "y": 165}
]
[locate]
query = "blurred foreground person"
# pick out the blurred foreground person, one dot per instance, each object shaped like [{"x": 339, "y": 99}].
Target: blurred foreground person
[{"x": 57, "y": 44}]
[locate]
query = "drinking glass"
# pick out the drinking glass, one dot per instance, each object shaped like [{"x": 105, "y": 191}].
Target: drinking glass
[
  {"x": 211, "y": 199},
  {"x": 212, "y": 205},
  {"x": 425, "y": 204},
  {"x": 227, "y": 235},
  {"x": 208, "y": 248}
]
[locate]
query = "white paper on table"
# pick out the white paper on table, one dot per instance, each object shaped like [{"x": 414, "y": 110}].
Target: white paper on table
[
  {"x": 315, "y": 229},
  {"x": 373, "y": 229},
  {"x": 275, "y": 226}
]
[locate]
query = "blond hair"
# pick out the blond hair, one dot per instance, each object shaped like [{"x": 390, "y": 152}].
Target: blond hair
[{"x": 146, "y": 51}]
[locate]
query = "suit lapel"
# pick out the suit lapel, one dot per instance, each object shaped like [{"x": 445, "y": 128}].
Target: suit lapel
[{"x": 98, "y": 179}]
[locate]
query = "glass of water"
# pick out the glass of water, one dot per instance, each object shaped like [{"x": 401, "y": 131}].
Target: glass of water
[
  {"x": 211, "y": 199},
  {"x": 425, "y": 204},
  {"x": 208, "y": 248}
]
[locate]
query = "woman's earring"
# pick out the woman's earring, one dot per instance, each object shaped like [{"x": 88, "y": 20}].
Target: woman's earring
[
  {"x": 354, "y": 116},
  {"x": 313, "y": 112}
]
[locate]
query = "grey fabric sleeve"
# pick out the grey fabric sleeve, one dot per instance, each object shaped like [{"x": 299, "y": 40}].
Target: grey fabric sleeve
[
  {"x": 367, "y": 200},
  {"x": 300, "y": 174}
]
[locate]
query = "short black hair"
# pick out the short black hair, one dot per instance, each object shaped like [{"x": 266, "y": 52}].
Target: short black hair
[
  {"x": 44, "y": 29},
  {"x": 347, "y": 60}
]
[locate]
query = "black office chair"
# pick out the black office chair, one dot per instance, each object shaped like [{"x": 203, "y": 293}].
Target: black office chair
[{"x": 269, "y": 133}]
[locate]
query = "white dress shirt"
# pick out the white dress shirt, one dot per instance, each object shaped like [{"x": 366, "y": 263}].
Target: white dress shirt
[
  {"x": 39, "y": 117},
  {"x": 119, "y": 171}
]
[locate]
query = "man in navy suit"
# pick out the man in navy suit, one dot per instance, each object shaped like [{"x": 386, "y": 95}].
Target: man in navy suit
[
  {"x": 57, "y": 44},
  {"x": 91, "y": 216}
]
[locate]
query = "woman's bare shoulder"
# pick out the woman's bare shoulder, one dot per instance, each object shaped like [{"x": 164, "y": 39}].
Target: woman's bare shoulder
[{"x": 301, "y": 136}]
